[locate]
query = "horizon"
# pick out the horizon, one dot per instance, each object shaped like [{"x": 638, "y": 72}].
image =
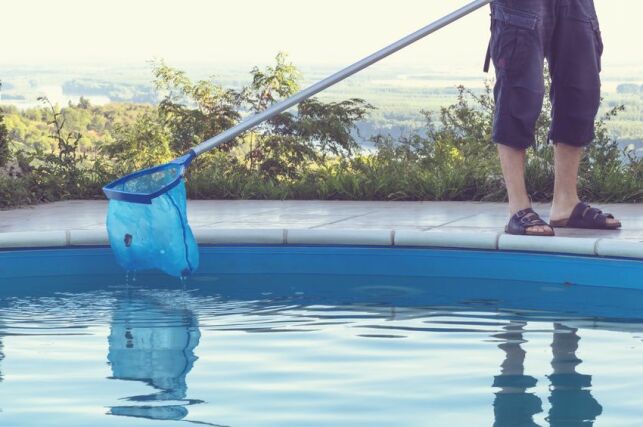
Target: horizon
[{"x": 125, "y": 36}]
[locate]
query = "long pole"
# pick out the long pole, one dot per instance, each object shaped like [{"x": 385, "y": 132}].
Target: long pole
[{"x": 282, "y": 106}]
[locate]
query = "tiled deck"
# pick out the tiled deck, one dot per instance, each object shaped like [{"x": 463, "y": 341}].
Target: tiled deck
[
  {"x": 443, "y": 224},
  {"x": 248, "y": 214}
]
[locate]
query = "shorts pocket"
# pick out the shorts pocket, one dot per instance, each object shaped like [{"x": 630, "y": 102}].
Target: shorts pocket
[
  {"x": 513, "y": 38},
  {"x": 578, "y": 49},
  {"x": 598, "y": 43}
]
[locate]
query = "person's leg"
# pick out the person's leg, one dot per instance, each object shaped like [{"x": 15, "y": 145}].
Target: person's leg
[
  {"x": 520, "y": 31},
  {"x": 567, "y": 160},
  {"x": 512, "y": 161},
  {"x": 566, "y": 164},
  {"x": 575, "y": 64}
]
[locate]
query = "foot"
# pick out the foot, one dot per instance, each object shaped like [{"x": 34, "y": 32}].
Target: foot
[
  {"x": 581, "y": 215},
  {"x": 561, "y": 210},
  {"x": 527, "y": 222}
]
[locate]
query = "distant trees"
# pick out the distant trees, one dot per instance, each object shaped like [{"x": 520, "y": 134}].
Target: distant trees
[
  {"x": 5, "y": 152},
  {"x": 83, "y": 103},
  {"x": 629, "y": 88},
  {"x": 28, "y": 128},
  {"x": 117, "y": 92},
  {"x": 139, "y": 145}
]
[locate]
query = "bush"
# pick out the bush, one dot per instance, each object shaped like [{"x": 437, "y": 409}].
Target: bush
[
  {"x": 310, "y": 154},
  {"x": 5, "y": 153}
]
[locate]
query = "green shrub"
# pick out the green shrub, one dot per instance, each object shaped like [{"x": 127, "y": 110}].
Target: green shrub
[
  {"x": 308, "y": 155},
  {"x": 5, "y": 153}
]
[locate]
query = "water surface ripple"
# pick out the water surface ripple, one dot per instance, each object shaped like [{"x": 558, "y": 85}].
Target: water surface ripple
[{"x": 322, "y": 351}]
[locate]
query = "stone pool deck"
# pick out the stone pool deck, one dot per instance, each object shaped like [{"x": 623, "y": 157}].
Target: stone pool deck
[{"x": 477, "y": 225}]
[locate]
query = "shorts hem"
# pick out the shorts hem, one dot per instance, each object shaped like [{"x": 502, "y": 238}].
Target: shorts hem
[
  {"x": 513, "y": 145},
  {"x": 554, "y": 141}
]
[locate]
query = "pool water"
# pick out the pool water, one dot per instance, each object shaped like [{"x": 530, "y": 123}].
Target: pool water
[{"x": 322, "y": 350}]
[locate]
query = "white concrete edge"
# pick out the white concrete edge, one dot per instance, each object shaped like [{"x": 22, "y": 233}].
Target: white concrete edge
[
  {"x": 612, "y": 248},
  {"x": 447, "y": 239},
  {"x": 619, "y": 248},
  {"x": 88, "y": 237},
  {"x": 34, "y": 239},
  {"x": 274, "y": 236},
  {"x": 339, "y": 237},
  {"x": 566, "y": 245}
]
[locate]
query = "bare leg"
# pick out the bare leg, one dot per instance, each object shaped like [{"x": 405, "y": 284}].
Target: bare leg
[
  {"x": 512, "y": 161},
  {"x": 566, "y": 164}
]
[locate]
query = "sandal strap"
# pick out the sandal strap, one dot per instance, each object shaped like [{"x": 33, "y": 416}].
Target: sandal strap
[
  {"x": 593, "y": 215},
  {"x": 524, "y": 212},
  {"x": 522, "y": 220},
  {"x": 532, "y": 221},
  {"x": 529, "y": 218}
]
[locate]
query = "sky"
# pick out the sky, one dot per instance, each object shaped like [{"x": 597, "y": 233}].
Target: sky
[{"x": 116, "y": 32}]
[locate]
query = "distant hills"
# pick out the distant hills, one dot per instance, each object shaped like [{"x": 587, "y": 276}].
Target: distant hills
[{"x": 399, "y": 94}]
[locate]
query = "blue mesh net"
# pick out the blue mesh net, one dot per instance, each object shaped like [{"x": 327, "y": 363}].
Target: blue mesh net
[{"x": 154, "y": 234}]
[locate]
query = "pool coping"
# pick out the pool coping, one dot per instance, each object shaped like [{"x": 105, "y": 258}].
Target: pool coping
[{"x": 485, "y": 240}]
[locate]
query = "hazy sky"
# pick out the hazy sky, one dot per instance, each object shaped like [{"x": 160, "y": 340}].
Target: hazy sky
[{"x": 252, "y": 31}]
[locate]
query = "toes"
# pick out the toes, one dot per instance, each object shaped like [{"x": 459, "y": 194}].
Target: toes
[{"x": 540, "y": 230}]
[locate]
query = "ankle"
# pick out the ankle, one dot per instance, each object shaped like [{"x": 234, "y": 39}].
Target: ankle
[
  {"x": 565, "y": 201},
  {"x": 515, "y": 206}
]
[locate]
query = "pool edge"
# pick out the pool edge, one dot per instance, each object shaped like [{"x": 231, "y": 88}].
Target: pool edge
[{"x": 597, "y": 247}]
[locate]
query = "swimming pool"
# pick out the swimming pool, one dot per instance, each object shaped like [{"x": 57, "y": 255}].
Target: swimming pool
[{"x": 317, "y": 336}]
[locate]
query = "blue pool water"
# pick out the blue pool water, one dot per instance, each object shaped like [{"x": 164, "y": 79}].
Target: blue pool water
[{"x": 322, "y": 337}]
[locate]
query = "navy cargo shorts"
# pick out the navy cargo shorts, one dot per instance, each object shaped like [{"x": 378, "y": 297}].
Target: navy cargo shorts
[{"x": 523, "y": 34}]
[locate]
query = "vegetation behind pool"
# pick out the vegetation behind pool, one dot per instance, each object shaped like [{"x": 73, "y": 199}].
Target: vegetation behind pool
[{"x": 310, "y": 154}]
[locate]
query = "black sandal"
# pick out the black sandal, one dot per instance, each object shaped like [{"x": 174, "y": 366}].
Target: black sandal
[
  {"x": 522, "y": 220},
  {"x": 585, "y": 216}
]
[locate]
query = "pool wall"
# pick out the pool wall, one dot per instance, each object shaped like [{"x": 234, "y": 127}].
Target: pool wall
[{"x": 559, "y": 269}]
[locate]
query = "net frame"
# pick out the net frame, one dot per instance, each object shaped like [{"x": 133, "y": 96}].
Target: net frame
[{"x": 115, "y": 190}]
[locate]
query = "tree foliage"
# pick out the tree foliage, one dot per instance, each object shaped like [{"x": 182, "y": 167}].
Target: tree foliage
[
  {"x": 5, "y": 152},
  {"x": 307, "y": 152},
  {"x": 67, "y": 161},
  {"x": 283, "y": 146},
  {"x": 139, "y": 145},
  {"x": 272, "y": 84},
  {"x": 193, "y": 111}
]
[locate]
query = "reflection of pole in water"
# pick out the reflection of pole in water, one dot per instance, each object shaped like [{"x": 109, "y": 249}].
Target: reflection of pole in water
[
  {"x": 155, "y": 345},
  {"x": 513, "y": 406},
  {"x": 572, "y": 404}
]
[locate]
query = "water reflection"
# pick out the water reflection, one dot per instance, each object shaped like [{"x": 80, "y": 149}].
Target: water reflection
[
  {"x": 572, "y": 403},
  {"x": 153, "y": 343},
  {"x": 153, "y": 340},
  {"x": 513, "y": 405},
  {"x": 570, "y": 398},
  {"x": 296, "y": 350}
]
